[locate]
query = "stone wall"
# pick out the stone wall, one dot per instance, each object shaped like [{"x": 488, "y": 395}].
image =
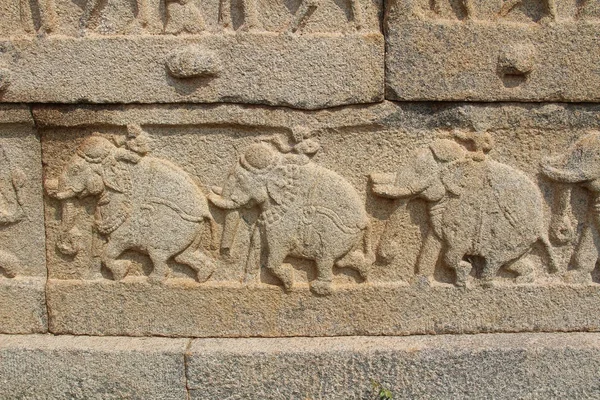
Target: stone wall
[{"x": 223, "y": 199}]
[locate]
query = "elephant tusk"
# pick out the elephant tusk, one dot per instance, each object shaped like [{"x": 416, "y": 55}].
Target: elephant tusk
[
  {"x": 67, "y": 194},
  {"x": 221, "y": 202}
]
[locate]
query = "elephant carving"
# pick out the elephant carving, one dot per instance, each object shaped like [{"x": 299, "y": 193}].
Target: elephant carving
[
  {"x": 306, "y": 211},
  {"x": 12, "y": 181},
  {"x": 476, "y": 206},
  {"x": 578, "y": 165},
  {"x": 143, "y": 203}
]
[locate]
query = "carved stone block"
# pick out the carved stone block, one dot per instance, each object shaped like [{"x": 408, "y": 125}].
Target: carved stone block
[
  {"x": 465, "y": 50},
  {"x": 303, "y": 54},
  {"x": 389, "y": 219},
  {"x": 22, "y": 239}
]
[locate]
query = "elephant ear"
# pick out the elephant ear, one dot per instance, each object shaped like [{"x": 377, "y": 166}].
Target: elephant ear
[
  {"x": 116, "y": 176},
  {"x": 282, "y": 186},
  {"x": 452, "y": 177}
]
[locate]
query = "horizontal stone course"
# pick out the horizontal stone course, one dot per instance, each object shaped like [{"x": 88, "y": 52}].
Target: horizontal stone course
[{"x": 499, "y": 366}]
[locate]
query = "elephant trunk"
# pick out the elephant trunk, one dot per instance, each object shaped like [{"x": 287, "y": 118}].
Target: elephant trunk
[
  {"x": 556, "y": 169},
  {"x": 69, "y": 234}
]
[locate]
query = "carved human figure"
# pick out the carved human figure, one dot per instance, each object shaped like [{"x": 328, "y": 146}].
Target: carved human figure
[
  {"x": 476, "y": 206},
  {"x": 12, "y": 181},
  {"x": 578, "y": 165},
  {"x": 47, "y": 13},
  {"x": 307, "y": 211},
  {"x": 144, "y": 203}
]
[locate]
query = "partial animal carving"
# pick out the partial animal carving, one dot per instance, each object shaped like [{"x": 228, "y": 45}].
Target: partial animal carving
[
  {"x": 477, "y": 207},
  {"x": 47, "y": 13},
  {"x": 12, "y": 181},
  {"x": 308, "y": 7},
  {"x": 578, "y": 165},
  {"x": 468, "y": 7},
  {"x": 250, "y": 18},
  {"x": 144, "y": 203},
  {"x": 307, "y": 211},
  {"x": 182, "y": 16},
  {"x": 509, "y": 5}
]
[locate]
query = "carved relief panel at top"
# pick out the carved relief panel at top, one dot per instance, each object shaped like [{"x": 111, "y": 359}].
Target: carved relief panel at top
[
  {"x": 164, "y": 220},
  {"x": 531, "y": 50},
  {"x": 299, "y": 53}
]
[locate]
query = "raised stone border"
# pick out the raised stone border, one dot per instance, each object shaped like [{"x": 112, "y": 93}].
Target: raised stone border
[{"x": 499, "y": 366}]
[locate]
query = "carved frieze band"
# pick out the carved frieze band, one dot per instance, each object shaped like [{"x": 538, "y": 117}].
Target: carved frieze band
[{"x": 277, "y": 205}]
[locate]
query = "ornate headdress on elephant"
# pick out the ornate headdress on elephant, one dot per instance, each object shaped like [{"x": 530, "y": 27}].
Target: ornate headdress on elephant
[{"x": 114, "y": 205}]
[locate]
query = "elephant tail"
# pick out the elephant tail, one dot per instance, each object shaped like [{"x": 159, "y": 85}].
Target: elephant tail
[{"x": 368, "y": 244}]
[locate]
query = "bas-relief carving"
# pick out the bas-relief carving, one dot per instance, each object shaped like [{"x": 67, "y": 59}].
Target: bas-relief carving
[
  {"x": 306, "y": 211},
  {"x": 12, "y": 181},
  {"x": 517, "y": 10},
  {"x": 577, "y": 166},
  {"x": 174, "y": 17},
  {"x": 481, "y": 213},
  {"x": 476, "y": 206},
  {"x": 143, "y": 203}
]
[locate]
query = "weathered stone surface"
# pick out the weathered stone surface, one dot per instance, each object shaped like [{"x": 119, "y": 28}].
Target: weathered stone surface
[
  {"x": 68, "y": 367},
  {"x": 499, "y": 366},
  {"x": 22, "y": 239},
  {"x": 537, "y": 50},
  {"x": 331, "y": 54},
  {"x": 250, "y": 221}
]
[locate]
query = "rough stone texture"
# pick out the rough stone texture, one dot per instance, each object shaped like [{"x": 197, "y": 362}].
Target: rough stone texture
[
  {"x": 435, "y": 51},
  {"x": 491, "y": 269},
  {"x": 499, "y": 366},
  {"x": 68, "y": 367},
  {"x": 115, "y": 58},
  {"x": 22, "y": 255}
]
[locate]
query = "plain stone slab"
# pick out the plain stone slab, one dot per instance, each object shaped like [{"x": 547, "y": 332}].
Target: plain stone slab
[
  {"x": 68, "y": 367},
  {"x": 22, "y": 236},
  {"x": 180, "y": 308},
  {"x": 436, "y": 58},
  {"x": 23, "y": 305},
  {"x": 499, "y": 366}
]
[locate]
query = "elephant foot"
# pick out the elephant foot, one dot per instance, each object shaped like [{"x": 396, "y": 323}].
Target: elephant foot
[
  {"x": 204, "y": 274},
  {"x": 157, "y": 279},
  {"x": 357, "y": 261},
  {"x": 578, "y": 277},
  {"x": 286, "y": 276},
  {"x": 488, "y": 283},
  {"x": 321, "y": 288},
  {"x": 423, "y": 281},
  {"x": 462, "y": 273},
  {"x": 9, "y": 273},
  {"x": 119, "y": 268}
]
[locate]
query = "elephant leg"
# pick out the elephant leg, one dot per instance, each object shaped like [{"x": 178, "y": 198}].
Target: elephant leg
[
  {"x": 322, "y": 286},
  {"x": 428, "y": 255},
  {"x": 454, "y": 259},
  {"x": 585, "y": 257},
  {"x": 524, "y": 269},
  {"x": 275, "y": 264},
  {"x": 160, "y": 270},
  {"x": 199, "y": 262},
  {"x": 112, "y": 250}
]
